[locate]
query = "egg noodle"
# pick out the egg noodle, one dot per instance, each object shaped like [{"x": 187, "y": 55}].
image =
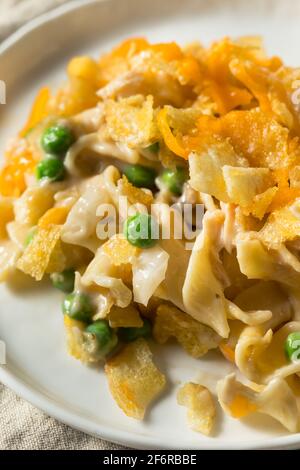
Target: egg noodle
[{"x": 168, "y": 130}]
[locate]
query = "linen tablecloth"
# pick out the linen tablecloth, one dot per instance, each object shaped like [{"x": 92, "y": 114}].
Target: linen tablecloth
[{"x": 21, "y": 425}]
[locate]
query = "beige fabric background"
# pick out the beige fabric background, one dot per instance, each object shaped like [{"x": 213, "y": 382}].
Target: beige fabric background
[
  {"x": 24, "y": 427},
  {"x": 21, "y": 425}
]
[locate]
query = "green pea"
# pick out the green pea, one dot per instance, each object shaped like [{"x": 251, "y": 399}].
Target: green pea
[
  {"x": 64, "y": 281},
  {"x": 174, "y": 180},
  {"x": 51, "y": 168},
  {"x": 292, "y": 346},
  {"x": 154, "y": 148},
  {"x": 141, "y": 176},
  {"x": 105, "y": 336},
  {"x": 141, "y": 230},
  {"x": 130, "y": 334},
  {"x": 78, "y": 306},
  {"x": 57, "y": 139},
  {"x": 30, "y": 236}
]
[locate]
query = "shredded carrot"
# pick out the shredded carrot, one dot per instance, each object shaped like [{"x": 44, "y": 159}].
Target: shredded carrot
[
  {"x": 285, "y": 195},
  {"x": 241, "y": 407},
  {"x": 38, "y": 112},
  {"x": 130, "y": 46},
  {"x": 169, "y": 51},
  {"x": 20, "y": 160},
  {"x": 257, "y": 87},
  {"x": 189, "y": 70},
  {"x": 170, "y": 140},
  {"x": 227, "y": 352},
  {"x": 84, "y": 68},
  {"x": 55, "y": 216}
]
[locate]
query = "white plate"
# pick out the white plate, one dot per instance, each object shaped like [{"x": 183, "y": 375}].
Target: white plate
[{"x": 38, "y": 367}]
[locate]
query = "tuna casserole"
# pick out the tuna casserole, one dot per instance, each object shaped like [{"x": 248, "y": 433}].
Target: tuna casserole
[{"x": 166, "y": 127}]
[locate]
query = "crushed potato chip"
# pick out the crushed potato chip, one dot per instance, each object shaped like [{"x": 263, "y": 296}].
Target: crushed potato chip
[
  {"x": 250, "y": 189},
  {"x": 282, "y": 225},
  {"x": 135, "y": 195},
  {"x": 261, "y": 203},
  {"x": 272, "y": 95},
  {"x": 120, "y": 250},
  {"x": 73, "y": 337},
  {"x": 41, "y": 253},
  {"x": 243, "y": 184},
  {"x": 121, "y": 255},
  {"x": 131, "y": 120},
  {"x": 124, "y": 317},
  {"x": 149, "y": 311},
  {"x": 206, "y": 168},
  {"x": 294, "y": 177},
  {"x": 195, "y": 338},
  {"x": 133, "y": 379},
  {"x": 183, "y": 120},
  {"x": 82, "y": 346},
  {"x": 255, "y": 135},
  {"x": 200, "y": 405},
  {"x": 57, "y": 261}
]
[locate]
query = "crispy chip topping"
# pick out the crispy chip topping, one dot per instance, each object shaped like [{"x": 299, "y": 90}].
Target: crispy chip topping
[{"x": 133, "y": 379}]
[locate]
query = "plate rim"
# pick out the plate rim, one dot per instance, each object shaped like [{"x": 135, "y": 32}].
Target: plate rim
[
  {"x": 126, "y": 438},
  {"x": 42, "y": 19},
  {"x": 73, "y": 419}
]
